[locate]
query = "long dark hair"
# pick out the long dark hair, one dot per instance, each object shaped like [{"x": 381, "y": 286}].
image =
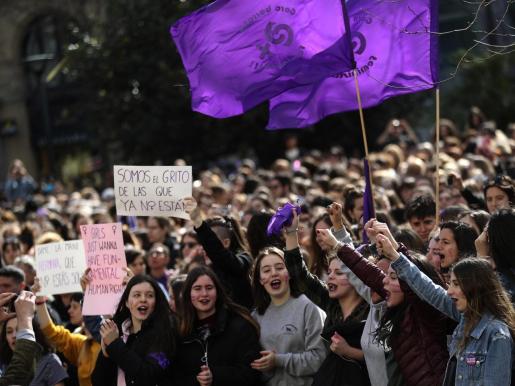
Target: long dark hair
[
  {"x": 6, "y": 353},
  {"x": 257, "y": 237},
  {"x": 261, "y": 297},
  {"x": 500, "y": 233},
  {"x": 317, "y": 262},
  {"x": 234, "y": 233},
  {"x": 350, "y": 202},
  {"x": 188, "y": 313},
  {"x": 480, "y": 218},
  {"x": 464, "y": 235},
  {"x": 160, "y": 319},
  {"x": 391, "y": 322},
  {"x": 484, "y": 293}
]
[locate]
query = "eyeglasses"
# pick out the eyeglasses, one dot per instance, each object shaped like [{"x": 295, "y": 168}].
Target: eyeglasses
[
  {"x": 189, "y": 245},
  {"x": 157, "y": 253}
]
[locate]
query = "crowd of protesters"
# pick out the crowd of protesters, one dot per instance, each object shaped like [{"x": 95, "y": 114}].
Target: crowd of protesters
[{"x": 420, "y": 294}]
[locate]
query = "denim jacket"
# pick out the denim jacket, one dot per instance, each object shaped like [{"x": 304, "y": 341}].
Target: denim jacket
[{"x": 486, "y": 360}]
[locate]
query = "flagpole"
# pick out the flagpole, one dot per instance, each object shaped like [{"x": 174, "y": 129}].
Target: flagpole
[
  {"x": 437, "y": 146},
  {"x": 364, "y": 133}
]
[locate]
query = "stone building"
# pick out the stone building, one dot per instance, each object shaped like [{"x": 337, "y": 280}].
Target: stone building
[{"x": 34, "y": 35}]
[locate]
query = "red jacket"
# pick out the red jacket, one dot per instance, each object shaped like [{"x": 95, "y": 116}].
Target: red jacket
[{"x": 420, "y": 349}]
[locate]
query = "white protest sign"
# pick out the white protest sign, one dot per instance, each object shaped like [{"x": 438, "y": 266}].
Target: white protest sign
[
  {"x": 105, "y": 255},
  {"x": 152, "y": 190},
  {"x": 59, "y": 267}
]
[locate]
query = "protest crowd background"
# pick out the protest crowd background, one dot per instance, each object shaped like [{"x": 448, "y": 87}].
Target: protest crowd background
[{"x": 221, "y": 302}]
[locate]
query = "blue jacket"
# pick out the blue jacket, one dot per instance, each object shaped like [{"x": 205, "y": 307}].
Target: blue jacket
[{"x": 486, "y": 360}]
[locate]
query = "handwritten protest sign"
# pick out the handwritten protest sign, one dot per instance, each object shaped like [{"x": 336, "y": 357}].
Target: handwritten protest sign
[
  {"x": 60, "y": 266},
  {"x": 105, "y": 255},
  {"x": 152, "y": 190}
]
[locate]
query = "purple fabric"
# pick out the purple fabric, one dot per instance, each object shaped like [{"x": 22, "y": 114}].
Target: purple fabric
[
  {"x": 161, "y": 359},
  {"x": 368, "y": 200},
  {"x": 283, "y": 217},
  {"x": 387, "y": 51},
  {"x": 240, "y": 53}
]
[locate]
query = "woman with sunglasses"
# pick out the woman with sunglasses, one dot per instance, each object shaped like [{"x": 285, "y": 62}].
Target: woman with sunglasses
[
  {"x": 481, "y": 345},
  {"x": 189, "y": 244},
  {"x": 226, "y": 248},
  {"x": 218, "y": 338},
  {"x": 138, "y": 344}
]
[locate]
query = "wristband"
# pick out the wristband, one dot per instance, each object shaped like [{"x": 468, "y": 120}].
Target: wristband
[{"x": 288, "y": 231}]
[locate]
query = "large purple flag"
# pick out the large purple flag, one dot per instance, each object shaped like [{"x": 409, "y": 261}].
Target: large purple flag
[
  {"x": 395, "y": 54},
  {"x": 239, "y": 53}
]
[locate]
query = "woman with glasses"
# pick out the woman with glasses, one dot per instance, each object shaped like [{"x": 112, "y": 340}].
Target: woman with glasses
[
  {"x": 227, "y": 250},
  {"x": 189, "y": 244},
  {"x": 218, "y": 338},
  {"x": 138, "y": 344}
]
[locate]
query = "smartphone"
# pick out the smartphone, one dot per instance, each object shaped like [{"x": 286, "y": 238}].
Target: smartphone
[{"x": 450, "y": 180}]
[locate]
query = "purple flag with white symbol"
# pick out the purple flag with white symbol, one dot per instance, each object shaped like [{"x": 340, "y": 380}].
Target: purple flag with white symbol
[
  {"x": 395, "y": 54},
  {"x": 368, "y": 199},
  {"x": 239, "y": 53}
]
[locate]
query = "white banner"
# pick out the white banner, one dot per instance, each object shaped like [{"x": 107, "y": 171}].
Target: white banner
[
  {"x": 152, "y": 190},
  {"x": 59, "y": 267}
]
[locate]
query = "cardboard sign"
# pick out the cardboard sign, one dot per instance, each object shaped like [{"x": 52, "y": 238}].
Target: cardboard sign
[
  {"x": 152, "y": 190},
  {"x": 60, "y": 266},
  {"x": 105, "y": 255}
]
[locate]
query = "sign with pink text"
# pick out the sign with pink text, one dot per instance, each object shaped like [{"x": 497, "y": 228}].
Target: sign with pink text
[
  {"x": 152, "y": 190},
  {"x": 60, "y": 266},
  {"x": 105, "y": 255}
]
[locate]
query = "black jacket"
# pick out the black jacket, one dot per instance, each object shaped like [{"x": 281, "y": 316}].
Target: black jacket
[
  {"x": 339, "y": 371},
  {"x": 231, "y": 346},
  {"x": 233, "y": 269},
  {"x": 142, "y": 365}
]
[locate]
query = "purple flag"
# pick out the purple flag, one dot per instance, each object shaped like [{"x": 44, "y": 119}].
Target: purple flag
[
  {"x": 240, "y": 53},
  {"x": 368, "y": 199},
  {"x": 395, "y": 54}
]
